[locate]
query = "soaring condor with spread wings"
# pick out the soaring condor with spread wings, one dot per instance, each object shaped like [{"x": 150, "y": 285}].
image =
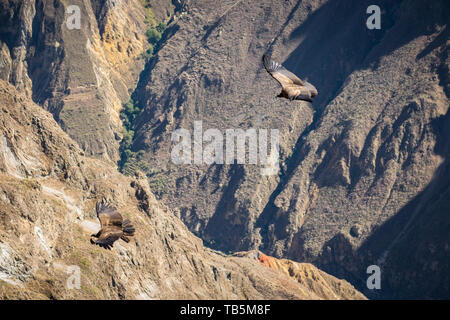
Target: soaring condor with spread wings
[
  {"x": 113, "y": 227},
  {"x": 292, "y": 87}
]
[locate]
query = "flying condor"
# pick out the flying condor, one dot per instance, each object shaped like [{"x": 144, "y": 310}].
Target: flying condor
[
  {"x": 292, "y": 87},
  {"x": 113, "y": 227}
]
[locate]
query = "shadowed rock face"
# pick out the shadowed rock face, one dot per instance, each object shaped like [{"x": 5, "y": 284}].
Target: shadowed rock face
[
  {"x": 352, "y": 161},
  {"x": 48, "y": 192}
]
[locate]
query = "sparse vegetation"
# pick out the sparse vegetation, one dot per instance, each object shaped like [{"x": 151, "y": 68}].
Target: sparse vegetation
[
  {"x": 148, "y": 54},
  {"x": 127, "y": 157},
  {"x": 129, "y": 113},
  {"x": 79, "y": 259},
  {"x": 161, "y": 27},
  {"x": 154, "y": 32},
  {"x": 31, "y": 184},
  {"x": 133, "y": 160},
  {"x": 157, "y": 181},
  {"x": 153, "y": 35},
  {"x": 149, "y": 15}
]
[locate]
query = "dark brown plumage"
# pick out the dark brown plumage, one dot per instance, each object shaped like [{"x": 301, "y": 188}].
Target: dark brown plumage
[
  {"x": 292, "y": 87},
  {"x": 113, "y": 227}
]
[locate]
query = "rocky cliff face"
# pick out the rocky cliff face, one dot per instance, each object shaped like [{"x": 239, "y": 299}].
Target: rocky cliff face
[
  {"x": 48, "y": 191},
  {"x": 354, "y": 162},
  {"x": 82, "y": 76}
]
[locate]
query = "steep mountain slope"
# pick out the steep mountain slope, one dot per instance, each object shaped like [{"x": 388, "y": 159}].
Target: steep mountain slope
[
  {"x": 304, "y": 273},
  {"x": 364, "y": 169},
  {"x": 82, "y": 76},
  {"x": 414, "y": 244},
  {"x": 209, "y": 69},
  {"x": 48, "y": 191},
  {"x": 351, "y": 162}
]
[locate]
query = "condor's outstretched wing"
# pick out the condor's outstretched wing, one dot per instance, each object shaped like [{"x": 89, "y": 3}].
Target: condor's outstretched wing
[
  {"x": 280, "y": 73},
  {"x": 113, "y": 227},
  {"x": 292, "y": 87},
  {"x": 311, "y": 88},
  {"x": 108, "y": 236},
  {"x": 108, "y": 216}
]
